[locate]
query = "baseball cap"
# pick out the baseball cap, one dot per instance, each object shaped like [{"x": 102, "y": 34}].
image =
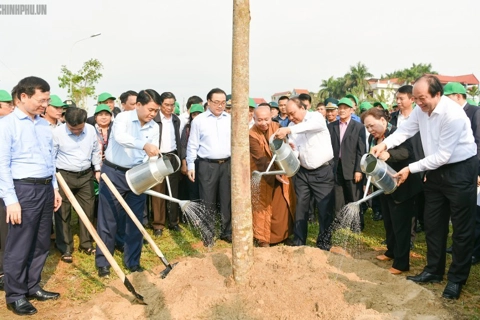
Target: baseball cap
[{"x": 104, "y": 96}]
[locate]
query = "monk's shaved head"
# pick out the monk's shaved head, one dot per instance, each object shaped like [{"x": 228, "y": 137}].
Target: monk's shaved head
[{"x": 261, "y": 111}]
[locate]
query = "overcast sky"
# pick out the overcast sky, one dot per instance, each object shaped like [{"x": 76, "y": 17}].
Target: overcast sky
[{"x": 184, "y": 46}]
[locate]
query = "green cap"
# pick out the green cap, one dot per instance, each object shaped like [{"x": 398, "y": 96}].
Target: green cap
[
  {"x": 176, "y": 111},
  {"x": 472, "y": 102},
  {"x": 251, "y": 103},
  {"x": 104, "y": 96},
  {"x": 273, "y": 104},
  {"x": 102, "y": 107},
  {"x": 5, "y": 96},
  {"x": 454, "y": 87},
  {"x": 365, "y": 105},
  {"x": 56, "y": 102},
  {"x": 196, "y": 107},
  {"x": 345, "y": 101},
  {"x": 352, "y": 96},
  {"x": 381, "y": 104}
]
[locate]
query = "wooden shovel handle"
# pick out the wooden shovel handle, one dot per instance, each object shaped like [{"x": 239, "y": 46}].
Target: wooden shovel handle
[
  {"x": 130, "y": 213},
  {"x": 90, "y": 227}
]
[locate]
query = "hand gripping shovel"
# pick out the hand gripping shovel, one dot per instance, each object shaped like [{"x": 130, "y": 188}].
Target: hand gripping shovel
[
  {"x": 113, "y": 189},
  {"x": 96, "y": 237}
]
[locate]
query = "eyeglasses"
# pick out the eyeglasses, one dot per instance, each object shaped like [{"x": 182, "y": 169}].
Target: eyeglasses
[
  {"x": 217, "y": 103},
  {"x": 43, "y": 101}
]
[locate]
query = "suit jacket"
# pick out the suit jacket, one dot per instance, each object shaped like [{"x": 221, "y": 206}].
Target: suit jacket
[
  {"x": 353, "y": 147},
  {"x": 416, "y": 140},
  {"x": 400, "y": 157},
  {"x": 176, "y": 126},
  {"x": 474, "y": 115}
]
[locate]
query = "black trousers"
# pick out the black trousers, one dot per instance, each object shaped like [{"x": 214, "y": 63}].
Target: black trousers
[
  {"x": 28, "y": 243},
  {"x": 346, "y": 191},
  {"x": 476, "y": 248},
  {"x": 82, "y": 188},
  {"x": 215, "y": 178},
  {"x": 397, "y": 219},
  {"x": 110, "y": 212},
  {"x": 3, "y": 233},
  {"x": 320, "y": 184},
  {"x": 450, "y": 193}
]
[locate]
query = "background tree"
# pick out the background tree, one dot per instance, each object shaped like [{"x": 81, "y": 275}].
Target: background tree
[
  {"x": 473, "y": 92},
  {"x": 81, "y": 85},
  {"x": 357, "y": 78},
  {"x": 408, "y": 75}
]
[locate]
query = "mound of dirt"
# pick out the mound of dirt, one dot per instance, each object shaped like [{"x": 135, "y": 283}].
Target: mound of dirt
[{"x": 286, "y": 283}]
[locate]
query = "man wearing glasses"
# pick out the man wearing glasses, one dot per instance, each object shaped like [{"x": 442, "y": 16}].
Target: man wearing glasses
[{"x": 210, "y": 142}]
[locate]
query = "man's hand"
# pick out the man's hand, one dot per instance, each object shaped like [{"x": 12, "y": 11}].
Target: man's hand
[
  {"x": 191, "y": 175},
  {"x": 478, "y": 181},
  {"x": 97, "y": 176},
  {"x": 151, "y": 150},
  {"x": 358, "y": 177},
  {"x": 384, "y": 156},
  {"x": 282, "y": 133},
  {"x": 184, "y": 170},
  {"x": 378, "y": 149},
  {"x": 14, "y": 213},
  {"x": 280, "y": 178},
  {"x": 57, "y": 202},
  {"x": 402, "y": 175}
]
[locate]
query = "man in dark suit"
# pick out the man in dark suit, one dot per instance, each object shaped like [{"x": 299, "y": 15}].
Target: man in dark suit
[
  {"x": 405, "y": 105},
  {"x": 169, "y": 126},
  {"x": 348, "y": 143},
  {"x": 458, "y": 93}
]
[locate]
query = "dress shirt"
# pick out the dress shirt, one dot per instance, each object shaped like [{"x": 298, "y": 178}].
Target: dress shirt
[
  {"x": 343, "y": 127},
  {"x": 356, "y": 118},
  {"x": 76, "y": 153},
  {"x": 26, "y": 151},
  {"x": 446, "y": 135},
  {"x": 127, "y": 139},
  {"x": 209, "y": 137},
  {"x": 282, "y": 122},
  {"x": 311, "y": 139},
  {"x": 168, "y": 135},
  {"x": 401, "y": 119}
]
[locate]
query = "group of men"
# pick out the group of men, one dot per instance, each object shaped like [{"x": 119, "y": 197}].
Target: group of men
[{"x": 329, "y": 144}]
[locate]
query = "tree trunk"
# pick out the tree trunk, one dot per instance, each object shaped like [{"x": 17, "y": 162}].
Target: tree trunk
[{"x": 241, "y": 204}]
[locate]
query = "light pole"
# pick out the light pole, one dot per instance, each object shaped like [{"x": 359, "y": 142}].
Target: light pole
[{"x": 70, "y": 58}]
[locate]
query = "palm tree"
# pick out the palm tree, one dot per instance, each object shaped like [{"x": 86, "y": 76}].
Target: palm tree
[
  {"x": 358, "y": 76},
  {"x": 326, "y": 88},
  {"x": 473, "y": 92}
]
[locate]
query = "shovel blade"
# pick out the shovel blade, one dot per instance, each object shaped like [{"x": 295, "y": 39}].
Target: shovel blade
[{"x": 167, "y": 270}]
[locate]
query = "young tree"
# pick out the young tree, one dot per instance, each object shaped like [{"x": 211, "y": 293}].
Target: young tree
[
  {"x": 81, "y": 85},
  {"x": 242, "y": 245}
]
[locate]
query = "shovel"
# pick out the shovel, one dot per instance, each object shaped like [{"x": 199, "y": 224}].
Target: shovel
[
  {"x": 96, "y": 237},
  {"x": 113, "y": 189}
]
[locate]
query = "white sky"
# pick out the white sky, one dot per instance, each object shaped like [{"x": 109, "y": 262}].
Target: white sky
[{"x": 184, "y": 46}]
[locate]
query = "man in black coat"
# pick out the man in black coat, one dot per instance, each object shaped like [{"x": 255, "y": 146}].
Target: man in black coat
[
  {"x": 458, "y": 93},
  {"x": 348, "y": 143},
  {"x": 169, "y": 124}
]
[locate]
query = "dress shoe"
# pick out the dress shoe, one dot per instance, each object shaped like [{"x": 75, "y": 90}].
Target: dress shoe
[
  {"x": 103, "y": 272},
  {"x": 22, "y": 307},
  {"x": 449, "y": 250},
  {"x": 136, "y": 269},
  {"x": 425, "y": 277},
  {"x": 226, "y": 239},
  {"x": 158, "y": 232},
  {"x": 383, "y": 257},
  {"x": 475, "y": 260},
  {"x": 176, "y": 228},
  {"x": 452, "y": 290},
  {"x": 377, "y": 216},
  {"x": 395, "y": 271},
  {"x": 2, "y": 283},
  {"x": 42, "y": 295}
]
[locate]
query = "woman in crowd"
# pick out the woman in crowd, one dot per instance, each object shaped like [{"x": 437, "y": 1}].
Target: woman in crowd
[{"x": 397, "y": 206}]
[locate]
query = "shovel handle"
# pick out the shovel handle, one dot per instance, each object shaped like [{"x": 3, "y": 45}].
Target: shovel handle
[
  {"x": 132, "y": 216},
  {"x": 90, "y": 227}
]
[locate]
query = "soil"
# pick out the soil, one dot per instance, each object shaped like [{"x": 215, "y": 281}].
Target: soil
[{"x": 285, "y": 283}]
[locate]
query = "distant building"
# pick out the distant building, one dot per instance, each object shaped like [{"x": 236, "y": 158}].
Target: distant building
[
  {"x": 293, "y": 93},
  {"x": 259, "y": 100}
]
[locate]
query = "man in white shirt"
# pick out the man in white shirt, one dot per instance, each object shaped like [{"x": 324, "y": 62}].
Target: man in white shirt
[
  {"x": 169, "y": 126},
  {"x": 76, "y": 149},
  {"x": 134, "y": 138},
  {"x": 451, "y": 180},
  {"x": 311, "y": 139}
]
